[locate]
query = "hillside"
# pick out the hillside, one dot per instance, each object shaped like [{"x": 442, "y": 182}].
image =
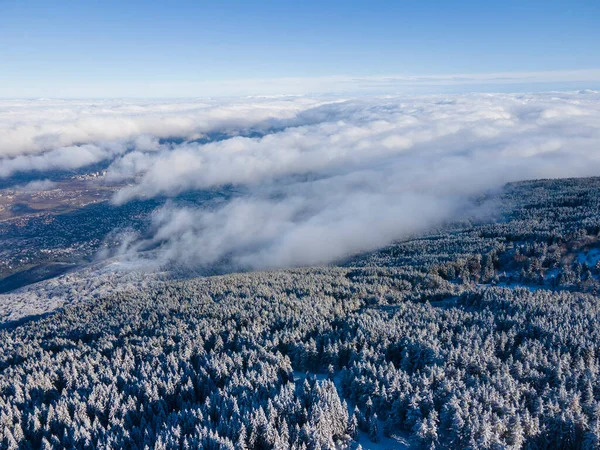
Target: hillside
[{"x": 482, "y": 334}]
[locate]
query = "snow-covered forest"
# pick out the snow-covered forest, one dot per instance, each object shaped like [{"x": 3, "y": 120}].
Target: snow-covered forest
[
  {"x": 300, "y": 225},
  {"x": 482, "y": 335}
]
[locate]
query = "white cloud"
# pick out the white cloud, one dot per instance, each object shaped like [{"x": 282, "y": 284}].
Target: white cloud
[
  {"x": 64, "y": 158},
  {"x": 307, "y": 226},
  {"x": 345, "y": 136},
  {"x": 352, "y": 176},
  {"x": 324, "y": 179},
  {"x": 34, "y": 126},
  {"x": 37, "y": 186}
]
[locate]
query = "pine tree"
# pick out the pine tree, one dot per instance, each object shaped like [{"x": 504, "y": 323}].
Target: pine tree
[
  {"x": 591, "y": 440},
  {"x": 373, "y": 428},
  {"x": 516, "y": 435},
  {"x": 241, "y": 440},
  {"x": 388, "y": 426},
  {"x": 352, "y": 429}
]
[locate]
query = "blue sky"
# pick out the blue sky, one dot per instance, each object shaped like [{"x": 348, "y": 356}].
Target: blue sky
[{"x": 120, "y": 48}]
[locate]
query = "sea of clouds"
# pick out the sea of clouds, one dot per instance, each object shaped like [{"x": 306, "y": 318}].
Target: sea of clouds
[{"x": 318, "y": 179}]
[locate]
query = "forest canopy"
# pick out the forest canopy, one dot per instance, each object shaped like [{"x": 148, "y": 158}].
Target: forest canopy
[{"x": 481, "y": 335}]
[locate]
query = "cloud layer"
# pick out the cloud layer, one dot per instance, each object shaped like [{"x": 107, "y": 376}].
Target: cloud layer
[
  {"x": 321, "y": 180},
  {"x": 35, "y": 126},
  {"x": 342, "y": 137}
]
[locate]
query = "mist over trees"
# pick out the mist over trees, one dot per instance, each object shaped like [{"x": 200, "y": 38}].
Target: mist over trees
[{"x": 482, "y": 335}]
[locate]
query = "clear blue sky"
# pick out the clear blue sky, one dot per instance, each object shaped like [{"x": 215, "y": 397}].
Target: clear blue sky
[{"x": 51, "y": 46}]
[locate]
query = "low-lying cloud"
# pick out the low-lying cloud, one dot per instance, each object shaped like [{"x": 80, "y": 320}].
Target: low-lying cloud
[
  {"x": 304, "y": 227},
  {"x": 322, "y": 180},
  {"x": 35, "y": 126},
  {"x": 347, "y": 136},
  {"x": 37, "y": 186}
]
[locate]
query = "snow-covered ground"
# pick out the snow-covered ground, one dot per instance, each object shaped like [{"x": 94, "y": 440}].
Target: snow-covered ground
[
  {"x": 385, "y": 443},
  {"x": 591, "y": 257},
  {"x": 85, "y": 284}
]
